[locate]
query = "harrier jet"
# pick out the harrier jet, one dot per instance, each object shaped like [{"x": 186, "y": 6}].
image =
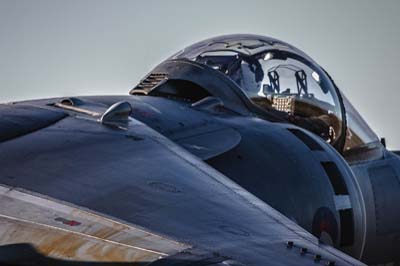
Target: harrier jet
[{"x": 237, "y": 150}]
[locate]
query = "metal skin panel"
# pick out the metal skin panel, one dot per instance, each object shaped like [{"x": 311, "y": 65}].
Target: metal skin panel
[
  {"x": 63, "y": 231},
  {"x": 137, "y": 176},
  {"x": 271, "y": 162},
  {"x": 379, "y": 182},
  {"x": 210, "y": 144},
  {"x": 386, "y": 188},
  {"x": 64, "y": 244},
  {"x": 23, "y": 119}
]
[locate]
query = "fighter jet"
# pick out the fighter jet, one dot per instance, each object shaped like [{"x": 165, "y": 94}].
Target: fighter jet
[{"x": 237, "y": 150}]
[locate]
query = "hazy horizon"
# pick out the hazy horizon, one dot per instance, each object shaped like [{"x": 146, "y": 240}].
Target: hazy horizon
[{"x": 61, "y": 48}]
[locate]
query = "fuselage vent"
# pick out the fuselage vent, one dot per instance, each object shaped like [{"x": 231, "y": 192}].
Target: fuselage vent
[{"x": 150, "y": 82}]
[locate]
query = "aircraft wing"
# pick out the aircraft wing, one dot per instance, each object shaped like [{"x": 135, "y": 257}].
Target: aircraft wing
[{"x": 80, "y": 190}]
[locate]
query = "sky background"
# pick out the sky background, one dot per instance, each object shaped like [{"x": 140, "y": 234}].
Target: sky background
[{"x": 64, "y": 48}]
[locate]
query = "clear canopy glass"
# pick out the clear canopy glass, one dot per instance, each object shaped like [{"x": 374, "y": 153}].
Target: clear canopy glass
[{"x": 276, "y": 80}]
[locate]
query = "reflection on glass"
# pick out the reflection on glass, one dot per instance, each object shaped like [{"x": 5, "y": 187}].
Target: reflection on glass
[
  {"x": 285, "y": 84},
  {"x": 358, "y": 134}
]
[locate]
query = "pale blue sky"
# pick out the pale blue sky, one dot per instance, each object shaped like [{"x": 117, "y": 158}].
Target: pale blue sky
[{"x": 58, "y": 48}]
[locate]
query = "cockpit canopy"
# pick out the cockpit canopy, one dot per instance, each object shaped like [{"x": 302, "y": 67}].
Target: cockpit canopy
[{"x": 274, "y": 77}]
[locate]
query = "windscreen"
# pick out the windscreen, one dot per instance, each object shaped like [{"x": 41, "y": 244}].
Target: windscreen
[{"x": 359, "y": 134}]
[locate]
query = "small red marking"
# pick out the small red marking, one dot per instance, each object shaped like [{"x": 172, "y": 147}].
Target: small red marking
[
  {"x": 72, "y": 223},
  {"x": 67, "y": 222}
]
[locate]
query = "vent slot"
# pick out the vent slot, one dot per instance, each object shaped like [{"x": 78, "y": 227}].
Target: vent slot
[
  {"x": 347, "y": 227},
  {"x": 151, "y": 81},
  {"x": 336, "y": 178},
  {"x": 309, "y": 141}
]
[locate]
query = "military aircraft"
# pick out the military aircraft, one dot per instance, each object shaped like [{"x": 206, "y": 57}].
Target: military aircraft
[{"x": 237, "y": 150}]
